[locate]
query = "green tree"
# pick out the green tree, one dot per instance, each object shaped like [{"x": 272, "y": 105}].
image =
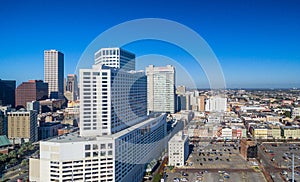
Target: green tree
[
  {"x": 21, "y": 151},
  {"x": 24, "y": 162},
  {"x": 3, "y": 158},
  {"x": 13, "y": 161},
  {"x": 287, "y": 114},
  {"x": 156, "y": 177},
  {"x": 12, "y": 154}
]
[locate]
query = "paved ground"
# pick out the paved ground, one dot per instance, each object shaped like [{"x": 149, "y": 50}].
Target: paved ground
[
  {"x": 218, "y": 177},
  {"x": 216, "y": 155},
  {"x": 280, "y": 155},
  {"x": 208, "y": 162}
]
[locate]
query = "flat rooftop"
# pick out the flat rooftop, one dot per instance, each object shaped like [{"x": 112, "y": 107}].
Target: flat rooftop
[{"x": 75, "y": 137}]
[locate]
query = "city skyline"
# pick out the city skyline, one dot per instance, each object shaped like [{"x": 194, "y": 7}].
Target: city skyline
[{"x": 255, "y": 42}]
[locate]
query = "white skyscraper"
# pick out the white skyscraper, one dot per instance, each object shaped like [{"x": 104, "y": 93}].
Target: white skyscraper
[
  {"x": 54, "y": 72},
  {"x": 117, "y": 138},
  {"x": 160, "y": 89},
  {"x": 116, "y": 58},
  {"x": 111, "y": 99}
]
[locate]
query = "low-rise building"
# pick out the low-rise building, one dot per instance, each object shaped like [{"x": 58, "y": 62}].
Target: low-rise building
[
  {"x": 22, "y": 126},
  {"x": 296, "y": 112},
  {"x": 178, "y": 149},
  {"x": 49, "y": 129},
  {"x": 259, "y": 131},
  {"x": 290, "y": 132}
]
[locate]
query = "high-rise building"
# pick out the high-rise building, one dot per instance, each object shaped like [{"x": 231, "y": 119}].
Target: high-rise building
[
  {"x": 181, "y": 102},
  {"x": 33, "y": 90},
  {"x": 2, "y": 122},
  {"x": 3, "y": 119},
  {"x": 111, "y": 99},
  {"x": 216, "y": 104},
  {"x": 22, "y": 126},
  {"x": 7, "y": 92},
  {"x": 117, "y": 138},
  {"x": 201, "y": 103},
  {"x": 54, "y": 73},
  {"x": 161, "y": 89},
  {"x": 116, "y": 58},
  {"x": 71, "y": 87},
  {"x": 33, "y": 105}
]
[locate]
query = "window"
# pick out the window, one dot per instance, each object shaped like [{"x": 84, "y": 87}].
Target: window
[
  {"x": 87, "y": 147},
  {"x": 87, "y": 154}
]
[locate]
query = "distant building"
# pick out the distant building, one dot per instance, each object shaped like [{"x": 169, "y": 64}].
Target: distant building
[
  {"x": 54, "y": 73},
  {"x": 49, "y": 129},
  {"x": 71, "y": 88},
  {"x": 33, "y": 90},
  {"x": 201, "y": 103},
  {"x": 51, "y": 105},
  {"x": 259, "y": 131},
  {"x": 33, "y": 105},
  {"x": 71, "y": 115},
  {"x": 7, "y": 92},
  {"x": 290, "y": 132},
  {"x": 216, "y": 104},
  {"x": 161, "y": 89},
  {"x": 181, "y": 102},
  {"x": 248, "y": 149},
  {"x": 178, "y": 149},
  {"x": 2, "y": 123},
  {"x": 22, "y": 126},
  {"x": 3, "y": 119},
  {"x": 116, "y": 58},
  {"x": 296, "y": 112},
  {"x": 180, "y": 90}
]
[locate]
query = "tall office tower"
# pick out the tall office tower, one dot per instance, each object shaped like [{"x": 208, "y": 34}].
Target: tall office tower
[
  {"x": 181, "y": 102},
  {"x": 2, "y": 122},
  {"x": 22, "y": 126},
  {"x": 201, "y": 103},
  {"x": 216, "y": 104},
  {"x": 71, "y": 87},
  {"x": 111, "y": 99},
  {"x": 7, "y": 92},
  {"x": 161, "y": 89},
  {"x": 33, "y": 90},
  {"x": 54, "y": 73},
  {"x": 117, "y": 138},
  {"x": 115, "y": 57},
  {"x": 3, "y": 119}
]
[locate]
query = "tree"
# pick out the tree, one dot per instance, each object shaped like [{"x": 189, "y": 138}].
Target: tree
[
  {"x": 21, "y": 151},
  {"x": 24, "y": 162},
  {"x": 12, "y": 154},
  {"x": 13, "y": 161},
  {"x": 3, "y": 158},
  {"x": 287, "y": 114}
]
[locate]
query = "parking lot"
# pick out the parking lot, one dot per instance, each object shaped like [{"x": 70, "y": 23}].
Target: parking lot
[
  {"x": 220, "y": 176},
  {"x": 280, "y": 155},
  {"x": 216, "y": 161},
  {"x": 216, "y": 155}
]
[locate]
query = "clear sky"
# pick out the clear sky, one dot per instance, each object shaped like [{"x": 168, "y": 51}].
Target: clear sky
[{"x": 257, "y": 42}]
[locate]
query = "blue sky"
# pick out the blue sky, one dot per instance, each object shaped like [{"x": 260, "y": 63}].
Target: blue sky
[{"x": 257, "y": 42}]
